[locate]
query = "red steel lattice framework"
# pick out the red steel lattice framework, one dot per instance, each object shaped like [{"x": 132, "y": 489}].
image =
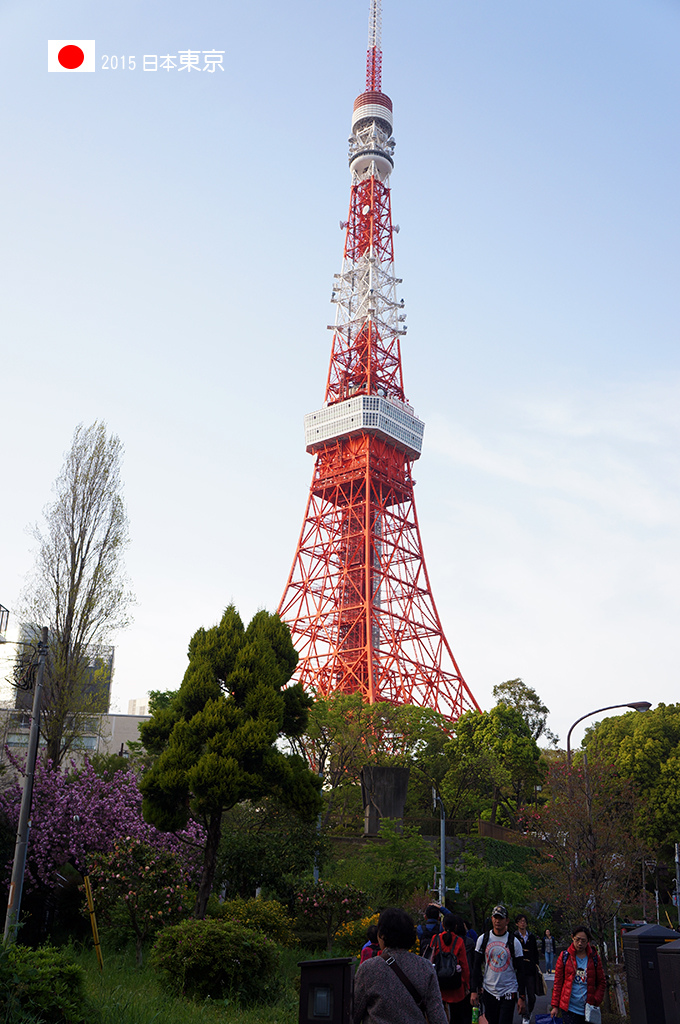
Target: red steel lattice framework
[{"x": 358, "y": 598}]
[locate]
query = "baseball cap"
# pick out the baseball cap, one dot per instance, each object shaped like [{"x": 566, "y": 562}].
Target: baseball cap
[{"x": 499, "y": 911}]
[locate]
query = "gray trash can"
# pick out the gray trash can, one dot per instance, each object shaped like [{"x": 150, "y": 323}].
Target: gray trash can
[
  {"x": 642, "y": 969},
  {"x": 326, "y": 990},
  {"x": 669, "y": 973}
]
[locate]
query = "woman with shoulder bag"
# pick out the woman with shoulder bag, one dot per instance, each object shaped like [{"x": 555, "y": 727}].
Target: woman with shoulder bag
[{"x": 397, "y": 987}]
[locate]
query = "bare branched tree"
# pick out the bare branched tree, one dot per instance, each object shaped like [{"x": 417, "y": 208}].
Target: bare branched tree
[{"x": 78, "y": 588}]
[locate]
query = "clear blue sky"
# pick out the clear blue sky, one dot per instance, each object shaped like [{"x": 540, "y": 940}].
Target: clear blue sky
[{"x": 167, "y": 254}]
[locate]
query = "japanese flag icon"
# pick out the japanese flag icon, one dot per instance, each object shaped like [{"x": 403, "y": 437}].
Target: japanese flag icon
[{"x": 70, "y": 55}]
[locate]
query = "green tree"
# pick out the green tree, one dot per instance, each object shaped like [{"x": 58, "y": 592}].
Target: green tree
[
  {"x": 494, "y": 764},
  {"x": 486, "y": 885},
  {"x": 216, "y": 741},
  {"x": 646, "y": 749},
  {"x": 269, "y": 847},
  {"x": 345, "y": 734},
  {"x": 516, "y": 694},
  {"x": 390, "y": 868},
  {"x": 587, "y": 851},
  {"x": 78, "y": 587}
]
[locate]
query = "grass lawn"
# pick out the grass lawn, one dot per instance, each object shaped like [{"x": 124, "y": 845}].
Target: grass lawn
[{"x": 127, "y": 994}]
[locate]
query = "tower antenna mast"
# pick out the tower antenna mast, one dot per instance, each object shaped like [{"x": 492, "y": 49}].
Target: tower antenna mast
[
  {"x": 374, "y": 54},
  {"x": 358, "y": 599}
]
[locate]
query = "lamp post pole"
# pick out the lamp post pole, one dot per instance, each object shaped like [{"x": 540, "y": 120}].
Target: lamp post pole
[
  {"x": 436, "y": 799},
  {"x": 19, "y": 866},
  {"x": 638, "y": 705}
]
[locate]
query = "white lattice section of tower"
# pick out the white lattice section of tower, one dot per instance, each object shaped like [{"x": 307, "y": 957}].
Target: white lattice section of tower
[
  {"x": 375, "y": 25},
  {"x": 366, "y": 414},
  {"x": 368, "y": 290}
]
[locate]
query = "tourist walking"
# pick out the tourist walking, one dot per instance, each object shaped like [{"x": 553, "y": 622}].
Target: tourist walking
[
  {"x": 548, "y": 950},
  {"x": 579, "y": 979},
  {"x": 397, "y": 987},
  {"x": 498, "y": 971},
  {"x": 448, "y": 950},
  {"x": 530, "y": 954}
]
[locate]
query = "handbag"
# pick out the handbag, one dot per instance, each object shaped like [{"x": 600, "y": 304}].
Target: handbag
[
  {"x": 541, "y": 990},
  {"x": 593, "y": 1014},
  {"x": 545, "y": 1018},
  {"x": 407, "y": 983}
]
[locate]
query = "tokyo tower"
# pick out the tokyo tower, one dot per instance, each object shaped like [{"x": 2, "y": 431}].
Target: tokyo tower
[{"x": 358, "y": 598}]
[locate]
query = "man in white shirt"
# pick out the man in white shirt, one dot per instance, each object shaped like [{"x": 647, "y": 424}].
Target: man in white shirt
[{"x": 498, "y": 954}]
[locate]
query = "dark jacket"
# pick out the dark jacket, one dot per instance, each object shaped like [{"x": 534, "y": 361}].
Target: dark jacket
[
  {"x": 566, "y": 971},
  {"x": 530, "y": 949}
]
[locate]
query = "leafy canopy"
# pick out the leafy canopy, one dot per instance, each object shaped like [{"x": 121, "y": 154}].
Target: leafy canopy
[{"x": 216, "y": 740}]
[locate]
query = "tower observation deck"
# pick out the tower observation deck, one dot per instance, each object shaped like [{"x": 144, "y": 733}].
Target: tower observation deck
[{"x": 358, "y": 598}]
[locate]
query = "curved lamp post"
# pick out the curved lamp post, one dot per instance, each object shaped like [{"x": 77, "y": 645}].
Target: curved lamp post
[{"x": 637, "y": 705}]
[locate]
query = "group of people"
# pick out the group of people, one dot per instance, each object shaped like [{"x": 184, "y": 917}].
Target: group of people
[{"x": 457, "y": 970}]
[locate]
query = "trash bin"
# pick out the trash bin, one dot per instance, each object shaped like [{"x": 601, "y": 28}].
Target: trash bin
[
  {"x": 642, "y": 969},
  {"x": 326, "y": 990},
  {"x": 669, "y": 973}
]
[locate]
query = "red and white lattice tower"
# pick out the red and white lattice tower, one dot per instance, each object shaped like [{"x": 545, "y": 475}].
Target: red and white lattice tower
[{"x": 358, "y": 599}]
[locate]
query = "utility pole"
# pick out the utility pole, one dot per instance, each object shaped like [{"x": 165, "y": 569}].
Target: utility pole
[
  {"x": 677, "y": 880},
  {"x": 442, "y": 845},
  {"x": 19, "y": 865}
]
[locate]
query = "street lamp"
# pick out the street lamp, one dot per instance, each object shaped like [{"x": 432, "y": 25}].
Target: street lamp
[{"x": 637, "y": 705}]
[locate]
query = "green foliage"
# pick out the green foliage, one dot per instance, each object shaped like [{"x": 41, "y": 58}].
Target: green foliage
[
  {"x": 345, "y": 734},
  {"x": 324, "y": 906},
  {"x": 216, "y": 741},
  {"x": 126, "y": 994},
  {"x": 42, "y": 984},
  {"x": 351, "y": 936},
  {"x": 267, "y": 916},
  {"x": 646, "y": 749},
  {"x": 106, "y": 765},
  {"x": 516, "y": 694},
  {"x": 390, "y": 867},
  {"x": 485, "y": 886},
  {"x": 494, "y": 763},
  {"x": 139, "y": 888},
  {"x": 269, "y": 847},
  {"x": 160, "y": 699},
  {"x": 216, "y": 959},
  {"x": 497, "y": 853},
  {"x": 588, "y": 857}
]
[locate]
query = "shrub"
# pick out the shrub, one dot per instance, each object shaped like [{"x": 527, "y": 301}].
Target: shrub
[
  {"x": 325, "y": 906},
  {"x": 267, "y": 916},
  {"x": 351, "y": 936},
  {"x": 140, "y": 888},
  {"x": 45, "y": 982},
  {"x": 216, "y": 959}
]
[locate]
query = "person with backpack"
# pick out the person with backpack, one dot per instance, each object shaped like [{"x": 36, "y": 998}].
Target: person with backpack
[
  {"x": 431, "y": 927},
  {"x": 498, "y": 971},
  {"x": 447, "y": 953},
  {"x": 579, "y": 979}
]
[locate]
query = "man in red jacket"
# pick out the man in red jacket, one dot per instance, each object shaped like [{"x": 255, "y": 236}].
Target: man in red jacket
[{"x": 579, "y": 979}]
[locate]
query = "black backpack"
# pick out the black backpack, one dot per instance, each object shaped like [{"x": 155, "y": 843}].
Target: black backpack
[
  {"x": 447, "y": 968},
  {"x": 426, "y": 934}
]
